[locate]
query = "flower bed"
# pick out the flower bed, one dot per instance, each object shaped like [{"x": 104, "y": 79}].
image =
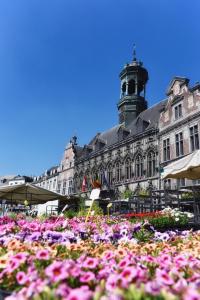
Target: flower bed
[
  {"x": 165, "y": 219},
  {"x": 106, "y": 258}
]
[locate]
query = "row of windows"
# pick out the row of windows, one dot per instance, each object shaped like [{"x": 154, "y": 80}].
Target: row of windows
[
  {"x": 126, "y": 171},
  {"x": 194, "y": 143}
]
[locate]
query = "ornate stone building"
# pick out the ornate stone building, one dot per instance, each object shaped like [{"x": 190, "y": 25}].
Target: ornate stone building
[{"x": 127, "y": 155}]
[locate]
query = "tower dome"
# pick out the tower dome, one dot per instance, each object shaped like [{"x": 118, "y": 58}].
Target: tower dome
[{"x": 132, "y": 95}]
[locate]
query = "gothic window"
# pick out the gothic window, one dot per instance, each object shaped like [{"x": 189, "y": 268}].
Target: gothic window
[
  {"x": 128, "y": 169},
  {"x": 151, "y": 164},
  {"x": 110, "y": 174},
  {"x": 139, "y": 166},
  {"x": 166, "y": 149},
  {"x": 118, "y": 171},
  {"x": 179, "y": 144},
  {"x": 131, "y": 87},
  {"x": 194, "y": 137}
]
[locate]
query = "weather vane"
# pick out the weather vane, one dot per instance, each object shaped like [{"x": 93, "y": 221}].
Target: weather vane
[{"x": 134, "y": 52}]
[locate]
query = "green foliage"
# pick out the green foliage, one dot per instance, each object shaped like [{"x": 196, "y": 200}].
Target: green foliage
[
  {"x": 143, "y": 235},
  {"x": 70, "y": 213},
  {"x": 95, "y": 210},
  {"x": 186, "y": 196},
  {"x": 143, "y": 192},
  {"x": 127, "y": 194}
]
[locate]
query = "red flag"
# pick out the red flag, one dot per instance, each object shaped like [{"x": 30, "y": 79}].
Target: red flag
[{"x": 84, "y": 184}]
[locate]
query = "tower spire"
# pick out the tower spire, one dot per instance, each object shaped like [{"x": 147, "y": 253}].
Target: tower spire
[{"x": 134, "y": 52}]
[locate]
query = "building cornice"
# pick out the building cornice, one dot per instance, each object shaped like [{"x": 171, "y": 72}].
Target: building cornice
[
  {"x": 118, "y": 145},
  {"x": 178, "y": 124}
]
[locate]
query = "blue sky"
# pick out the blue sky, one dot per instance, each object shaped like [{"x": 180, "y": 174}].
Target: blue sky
[{"x": 59, "y": 67}]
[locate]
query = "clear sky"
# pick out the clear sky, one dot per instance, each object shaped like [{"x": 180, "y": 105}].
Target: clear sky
[{"x": 59, "y": 67}]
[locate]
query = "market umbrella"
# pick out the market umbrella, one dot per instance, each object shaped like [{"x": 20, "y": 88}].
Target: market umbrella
[
  {"x": 186, "y": 167},
  {"x": 32, "y": 193}
]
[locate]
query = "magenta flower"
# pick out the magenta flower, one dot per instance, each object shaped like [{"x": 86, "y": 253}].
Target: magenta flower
[
  {"x": 63, "y": 290},
  {"x": 87, "y": 277},
  {"x": 56, "y": 271},
  {"x": 21, "y": 278},
  {"x": 163, "y": 277},
  {"x": 111, "y": 282},
  {"x": 13, "y": 264},
  {"x": 42, "y": 254},
  {"x": 129, "y": 273},
  {"x": 191, "y": 294},
  {"x": 82, "y": 293},
  {"x": 90, "y": 263},
  {"x": 152, "y": 288},
  {"x": 21, "y": 257}
]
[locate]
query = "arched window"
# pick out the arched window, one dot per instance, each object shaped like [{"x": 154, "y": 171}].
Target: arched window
[
  {"x": 110, "y": 174},
  {"x": 123, "y": 88},
  {"x": 131, "y": 87},
  {"x": 151, "y": 164},
  {"x": 118, "y": 171},
  {"x": 139, "y": 165},
  {"x": 128, "y": 169}
]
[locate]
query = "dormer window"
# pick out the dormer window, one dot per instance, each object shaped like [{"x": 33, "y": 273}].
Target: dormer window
[{"x": 178, "y": 111}]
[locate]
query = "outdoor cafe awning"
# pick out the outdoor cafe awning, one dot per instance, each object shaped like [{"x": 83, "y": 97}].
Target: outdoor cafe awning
[
  {"x": 32, "y": 193},
  {"x": 186, "y": 167}
]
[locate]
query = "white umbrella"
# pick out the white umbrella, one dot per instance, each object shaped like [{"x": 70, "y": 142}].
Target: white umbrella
[
  {"x": 29, "y": 192},
  {"x": 186, "y": 167}
]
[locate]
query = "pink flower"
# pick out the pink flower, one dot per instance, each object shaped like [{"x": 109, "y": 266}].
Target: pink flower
[
  {"x": 13, "y": 264},
  {"x": 87, "y": 277},
  {"x": 90, "y": 263},
  {"x": 163, "y": 277},
  {"x": 82, "y": 293},
  {"x": 56, "y": 271},
  {"x": 191, "y": 294},
  {"x": 21, "y": 257},
  {"x": 124, "y": 263},
  {"x": 42, "y": 254},
  {"x": 62, "y": 290},
  {"x": 180, "y": 285},
  {"x": 152, "y": 288},
  {"x": 21, "y": 278},
  {"x": 111, "y": 282},
  {"x": 129, "y": 273}
]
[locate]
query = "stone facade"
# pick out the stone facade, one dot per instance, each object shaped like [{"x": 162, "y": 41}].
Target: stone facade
[{"x": 179, "y": 124}]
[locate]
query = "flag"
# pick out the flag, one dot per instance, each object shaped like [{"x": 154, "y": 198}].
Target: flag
[
  {"x": 84, "y": 184},
  {"x": 96, "y": 184},
  {"x": 105, "y": 181}
]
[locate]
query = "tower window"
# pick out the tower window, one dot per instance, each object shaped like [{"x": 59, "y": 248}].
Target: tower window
[
  {"x": 131, "y": 87},
  {"x": 123, "y": 88}
]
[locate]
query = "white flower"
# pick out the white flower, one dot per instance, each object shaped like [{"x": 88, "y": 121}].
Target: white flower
[{"x": 176, "y": 219}]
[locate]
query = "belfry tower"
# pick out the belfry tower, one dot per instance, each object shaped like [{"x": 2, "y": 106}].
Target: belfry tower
[{"x": 133, "y": 85}]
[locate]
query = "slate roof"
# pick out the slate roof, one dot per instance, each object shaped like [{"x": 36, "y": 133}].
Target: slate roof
[{"x": 145, "y": 121}]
